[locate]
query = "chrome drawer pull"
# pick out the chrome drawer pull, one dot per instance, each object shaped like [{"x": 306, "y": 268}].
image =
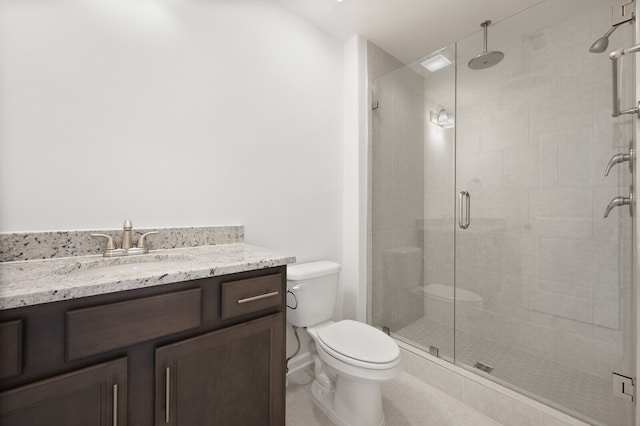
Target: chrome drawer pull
[
  {"x": 259, "y": 297},
  {"x": 115, "y": 405},
  {"x": 167, "y": 393}
]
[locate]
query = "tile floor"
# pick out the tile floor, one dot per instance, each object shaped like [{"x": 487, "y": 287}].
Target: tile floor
[
  {"x": 407, "y": 402},
  {"x": 578, "y": 391}
]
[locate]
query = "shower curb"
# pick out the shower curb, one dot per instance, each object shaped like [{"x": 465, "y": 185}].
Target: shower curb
[{"x": 490, "y": 398}]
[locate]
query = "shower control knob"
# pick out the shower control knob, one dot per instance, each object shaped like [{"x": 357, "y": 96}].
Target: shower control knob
[
  {"x": 621, "y": 158},
  {"x": 620, "y": 201}
]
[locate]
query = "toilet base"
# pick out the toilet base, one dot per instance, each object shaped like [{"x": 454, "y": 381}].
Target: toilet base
[{"x": 366, "y": 411}]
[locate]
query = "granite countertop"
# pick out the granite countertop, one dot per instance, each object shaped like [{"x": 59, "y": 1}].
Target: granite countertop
[{"x": 32, "y": 282}]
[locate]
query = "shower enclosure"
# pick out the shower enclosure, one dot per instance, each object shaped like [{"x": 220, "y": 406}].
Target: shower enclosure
[{"x": 488, "y": 242}]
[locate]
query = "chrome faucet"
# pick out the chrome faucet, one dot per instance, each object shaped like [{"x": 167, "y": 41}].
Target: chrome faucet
[
  {"x": 126, "y": 234},
  {"x": 127, "y": 248}
]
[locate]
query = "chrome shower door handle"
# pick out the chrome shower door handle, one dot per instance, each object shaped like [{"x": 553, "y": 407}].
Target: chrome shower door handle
[{"x": 464, "y": 209}]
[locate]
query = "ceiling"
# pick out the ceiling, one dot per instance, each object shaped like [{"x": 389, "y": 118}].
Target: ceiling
[{"x": 407, "y": 29}]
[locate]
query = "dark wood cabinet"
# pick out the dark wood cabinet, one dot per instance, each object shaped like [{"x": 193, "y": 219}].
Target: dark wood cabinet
[
  {"x": 221, "y": 338},
  {"x": 244, "y": 358},
  {"x": 90, "y": 396},
  {"x": 10, "y": 349},
  {"x": 101, "y": 328}
]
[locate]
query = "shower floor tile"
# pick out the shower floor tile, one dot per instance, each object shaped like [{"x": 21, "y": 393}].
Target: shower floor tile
[{"x": 579, "y": 392}]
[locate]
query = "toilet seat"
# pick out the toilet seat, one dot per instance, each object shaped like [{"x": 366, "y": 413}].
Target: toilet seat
[{"x": 359, "y": 344}]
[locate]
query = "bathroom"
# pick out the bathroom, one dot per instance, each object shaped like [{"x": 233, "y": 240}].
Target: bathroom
[{"x": 258, "y": 113}]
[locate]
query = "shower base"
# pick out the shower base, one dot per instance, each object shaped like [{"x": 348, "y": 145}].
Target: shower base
[{"x": 578, "y": 391}]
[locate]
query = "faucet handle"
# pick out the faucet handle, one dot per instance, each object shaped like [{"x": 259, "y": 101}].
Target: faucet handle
[
  {"x": 621, "y": 201},
  {"x": 141, "y": 242},
  {"x": 620, "y": 158},
  {"x": 111, "y": 245},
  {"x": 111, "y": 249}
]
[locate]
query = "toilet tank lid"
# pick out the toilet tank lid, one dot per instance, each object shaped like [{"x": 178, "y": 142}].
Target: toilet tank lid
[{"x": 306, "y": 271}]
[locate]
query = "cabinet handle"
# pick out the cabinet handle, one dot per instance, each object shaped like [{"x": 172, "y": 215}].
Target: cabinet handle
[
  {"x": 259, "y": 297},
  {"x": 115, "y": 405},
  {"x": 167, "y": 393}
]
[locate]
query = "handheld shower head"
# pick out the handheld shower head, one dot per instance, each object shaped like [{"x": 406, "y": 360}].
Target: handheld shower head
[{"x": 601, "y": 44}]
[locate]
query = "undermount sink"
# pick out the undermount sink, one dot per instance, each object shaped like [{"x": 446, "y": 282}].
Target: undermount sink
[{"x": 156, "y": 263}]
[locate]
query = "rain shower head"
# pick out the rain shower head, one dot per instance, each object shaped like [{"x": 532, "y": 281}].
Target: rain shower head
[
  {"x": 485, "y": 59},
  {"x": 601, "y": 44}
]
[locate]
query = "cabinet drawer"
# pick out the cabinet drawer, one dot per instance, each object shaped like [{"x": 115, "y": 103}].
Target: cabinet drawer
[
  {"x": 243, "y": 297},
  {"x": 10, "y": 349},
  {"x": 102, "y": 328}
]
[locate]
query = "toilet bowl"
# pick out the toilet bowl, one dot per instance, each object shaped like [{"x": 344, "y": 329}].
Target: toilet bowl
[
  {"x": 351, "y": 358},
  {"x": 357, "y": 350}
]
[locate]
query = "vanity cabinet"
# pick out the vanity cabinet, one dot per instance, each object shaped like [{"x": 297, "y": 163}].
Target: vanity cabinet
[
  {"x": 202, "y": 352},
  {"x": 244, "y": 358},
  {"x": 90, "y": 396}
]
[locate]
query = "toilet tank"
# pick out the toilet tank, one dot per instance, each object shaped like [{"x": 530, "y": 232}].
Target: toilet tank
[{"x": 311, "y": 292}]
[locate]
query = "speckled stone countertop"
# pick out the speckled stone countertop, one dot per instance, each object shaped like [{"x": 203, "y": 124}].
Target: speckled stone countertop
[
  {"x": 47, "y": 245},
  {"x": 31, "y": 282}
]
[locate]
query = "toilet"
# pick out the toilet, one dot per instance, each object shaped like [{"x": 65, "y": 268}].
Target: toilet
[{"x": 351, "y": 359}]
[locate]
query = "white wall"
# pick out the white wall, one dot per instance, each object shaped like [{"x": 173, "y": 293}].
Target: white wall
[
  {"x": 171, "y": 114},
  {"x": 352, "y": 298}
]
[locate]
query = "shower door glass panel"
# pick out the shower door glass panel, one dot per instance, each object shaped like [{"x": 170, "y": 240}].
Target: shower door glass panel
[
  {"x": 412, "y": 204},
  {"x": 543, "y": 281}
]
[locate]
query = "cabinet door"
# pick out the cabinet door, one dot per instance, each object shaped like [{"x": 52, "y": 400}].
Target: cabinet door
[
  {"x": 91, "y": 396},
  {"x": 230, "y": 377}
]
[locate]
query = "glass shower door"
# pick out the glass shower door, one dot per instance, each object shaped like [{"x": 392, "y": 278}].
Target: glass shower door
[{"x": 543, "y": 283}]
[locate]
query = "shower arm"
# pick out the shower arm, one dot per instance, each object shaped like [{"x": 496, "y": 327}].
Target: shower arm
[
  {"x": 615, "y": 57},
  {"x": 485, "y": 25}
]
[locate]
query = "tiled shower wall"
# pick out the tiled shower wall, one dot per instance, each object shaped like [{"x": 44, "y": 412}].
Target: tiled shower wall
[{"x": 533, "y": 136}]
